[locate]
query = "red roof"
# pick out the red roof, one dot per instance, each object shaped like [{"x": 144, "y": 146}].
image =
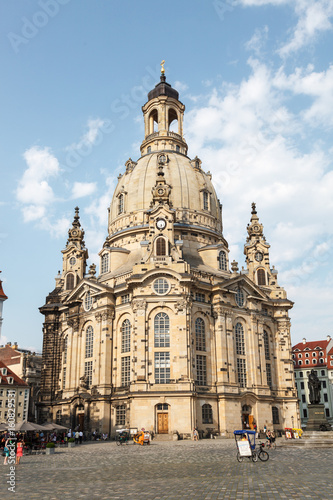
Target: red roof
[
  {"x": 3, "y": 296},
  {"x": 10, "y": 373},
  {"x": 322, "y": 344}
]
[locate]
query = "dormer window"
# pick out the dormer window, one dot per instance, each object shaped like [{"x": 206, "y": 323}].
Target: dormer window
[
  {"x": 120, "y": 204},
  {"x": 105, "y": 263},
  {"x": 10, "y": 380},
  {"x": 160, "y": 246},
  {"x": 205, "y": 200},
  {"x": 70, "y": 281},
  {"x": 222, "y": 261},
  {"x": 261, "y": 277},
  {"x": 4, "y": 371}
]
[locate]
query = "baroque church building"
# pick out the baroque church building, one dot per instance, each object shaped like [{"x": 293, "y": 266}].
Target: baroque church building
[{"x": 169, "y": 335}]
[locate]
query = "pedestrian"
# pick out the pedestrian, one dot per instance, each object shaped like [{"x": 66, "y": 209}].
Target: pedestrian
[
  {"x": 195, "y": 435},
  {"x": 19, "y": 451},
  {"x": 6, "y": 451},
  {"x": 80, "y": 437},
  {"x": 76, "y": 437}
]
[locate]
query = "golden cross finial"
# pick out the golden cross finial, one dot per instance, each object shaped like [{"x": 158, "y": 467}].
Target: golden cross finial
[{"x": 162, "y": 67}]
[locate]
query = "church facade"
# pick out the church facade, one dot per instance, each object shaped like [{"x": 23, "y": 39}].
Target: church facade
[{"x": 169, "y": 335}]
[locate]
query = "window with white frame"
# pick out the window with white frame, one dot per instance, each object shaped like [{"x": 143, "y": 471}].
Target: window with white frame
[
  {"x": 65, "y": 349},
  {"x": 121, "y": 415},
  {"x": 200, "y": 297},
  {"x": 241, "y": 372},
  {"x": 88, "y": 372},
  {"x": 240, "y": 340},
  {"x": 240, "y": 299},
  {"x": 126, "y": 336},
  {"x": 125, "y": 370},
  {"x": 205, "y": 200},
  {"x": 120, "y": 204},
  {"x": 201, "y": 366},
  {"x": 162, "y": 367},
  {"x": 222, "y": 261},
  {"x": 87, "y": 301},
  {"x": 89, "y": 342},
  {"x": 125, "y": 298},
  {"x": 266, "y": 345},
  {"x": 269, "y": 375},
  {"x": 105, "y": 263},
  {"x": 161, "y": 330}
]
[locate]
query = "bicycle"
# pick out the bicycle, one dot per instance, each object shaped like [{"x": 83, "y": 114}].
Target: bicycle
[
  {"x": 271, "y": 445},
  {"x": 261, "y": 453}
]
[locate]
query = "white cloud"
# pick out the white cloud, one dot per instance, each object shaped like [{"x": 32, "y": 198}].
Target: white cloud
[
  {"x": 81, "y": 189},
  {"x": 180, "y": 86},
  {"x": 313, "y": 17},
  {"x": 258, "y": 40},
  {"x": 33, "y": 190},
  {"x": 90, "y": 137}
]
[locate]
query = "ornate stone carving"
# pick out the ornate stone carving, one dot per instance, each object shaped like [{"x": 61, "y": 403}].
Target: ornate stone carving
[
  {"x": 139, "y": 306},
  {"x": 74, "y": 323}
]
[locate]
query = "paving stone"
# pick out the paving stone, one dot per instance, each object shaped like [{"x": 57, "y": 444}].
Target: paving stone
[{"x": 172, "y": 470}]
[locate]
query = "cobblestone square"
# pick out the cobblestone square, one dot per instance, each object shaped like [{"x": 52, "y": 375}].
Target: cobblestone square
[{"x": 207, "y": 469}]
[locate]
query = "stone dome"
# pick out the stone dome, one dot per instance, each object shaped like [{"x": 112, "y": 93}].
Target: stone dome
[{"x": 192, "y": 195}]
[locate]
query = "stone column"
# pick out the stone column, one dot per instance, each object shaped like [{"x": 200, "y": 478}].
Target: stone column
[{"x": 139, "y": 361}]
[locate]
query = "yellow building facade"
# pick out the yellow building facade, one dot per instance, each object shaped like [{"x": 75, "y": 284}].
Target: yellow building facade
[{"x": 169, "y": 335}]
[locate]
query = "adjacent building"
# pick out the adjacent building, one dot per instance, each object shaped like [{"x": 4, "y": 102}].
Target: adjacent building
[
  {"x": 169, "y": 334},
  {"x": 3, "y": 297},
  {"x": 14, "y": 396},
  {"x": 27, "y": 366},
  {"x": 318, "y": 356}
]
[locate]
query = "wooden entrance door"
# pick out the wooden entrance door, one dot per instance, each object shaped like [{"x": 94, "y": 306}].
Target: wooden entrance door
[
  {"x": 162, "y": 423},
  {"x": 81, "y": 421}
]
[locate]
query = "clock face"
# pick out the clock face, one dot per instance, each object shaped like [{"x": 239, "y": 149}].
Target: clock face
[
  {"x": 160, "y": 191},
  {"x": 160, "y": 224},
  {"x": 259, "y": 256}
]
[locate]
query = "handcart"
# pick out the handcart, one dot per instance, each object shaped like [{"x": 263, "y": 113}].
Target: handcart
[{"x": 246, "y": 445}]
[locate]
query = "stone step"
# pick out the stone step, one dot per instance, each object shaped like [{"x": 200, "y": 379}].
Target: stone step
[{"x": 163, "y": 437}]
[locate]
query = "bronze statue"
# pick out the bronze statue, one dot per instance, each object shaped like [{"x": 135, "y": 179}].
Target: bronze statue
[{"x": 314, "y": 388}]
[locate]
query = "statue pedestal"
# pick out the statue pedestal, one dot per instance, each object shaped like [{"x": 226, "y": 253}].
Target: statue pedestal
[{"x": 316, "y": 417}]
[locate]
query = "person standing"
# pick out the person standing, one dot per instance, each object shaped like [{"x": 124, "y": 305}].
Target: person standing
[
  {"x": 195, "y": 435},
  {"x": 80, "y": 437}
]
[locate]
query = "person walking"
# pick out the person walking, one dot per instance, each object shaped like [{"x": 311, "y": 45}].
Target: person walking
[
  {"x": 195, "y": 435},
  {"x": 6, "y": 452},
  {"x": 80, "y": 437},
  {"x": 19, "y": 451}
]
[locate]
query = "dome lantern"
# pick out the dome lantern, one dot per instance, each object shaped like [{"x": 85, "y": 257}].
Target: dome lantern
[{"x": 163, "y": 116}]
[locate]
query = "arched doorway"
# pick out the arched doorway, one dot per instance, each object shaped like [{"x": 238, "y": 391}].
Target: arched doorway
[
  {"x": 247, "y": 418},
  {"x": 79, "y": 417},
  {"x": 162, "y": 418}
]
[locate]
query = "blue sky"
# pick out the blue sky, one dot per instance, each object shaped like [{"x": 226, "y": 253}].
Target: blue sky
[{"x": 256, "y": 77}]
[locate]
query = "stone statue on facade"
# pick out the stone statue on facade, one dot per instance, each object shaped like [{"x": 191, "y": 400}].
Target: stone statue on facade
[{"x": 314, "y": 388}]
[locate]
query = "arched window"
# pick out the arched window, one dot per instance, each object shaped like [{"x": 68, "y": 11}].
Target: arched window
[
  {"x": 70, "y": 281},
  {"x": 58, "y": 417},
  {"x": 173, "y": 119},
  {"x": 161, "y": 330},
  {"x": 87, "y": 301},
  {"x": 207, "y": 414},
  {"x": 126, "y": 336},
  {"x": 120, "y": 204},
  {"x": 275, "y": 415},
  {"x": 149, "y": 149},
  {"x": 65, "y": 349},
  {"x": 153, "y": 121},
  {"x": 261, "y": 277},
  {"x": 222, "y": 261},
  {"x": 266, "y": 345},
  {"x": 240, "y": 341},
  {"x": 160, "y": 246},
  {"x": 200, "y": 335},
  {"x": 205, "y": 200},
  {"x": 89, "y": 342},
  {"x": 105, "y": 263},
  {"x": 121, "y": 415}
]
